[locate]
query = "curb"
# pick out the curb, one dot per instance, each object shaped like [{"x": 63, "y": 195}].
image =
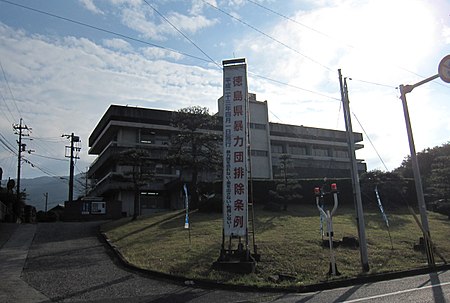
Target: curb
[{"x": 297, "y": 289}]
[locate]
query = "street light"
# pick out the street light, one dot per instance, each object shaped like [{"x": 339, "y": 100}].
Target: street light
[{"x": 444, "y": 74}]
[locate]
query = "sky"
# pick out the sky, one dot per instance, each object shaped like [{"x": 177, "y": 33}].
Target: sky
[{"x": 63, "y": 63}]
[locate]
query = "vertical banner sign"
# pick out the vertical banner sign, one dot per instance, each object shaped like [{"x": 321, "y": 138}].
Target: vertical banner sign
[
  {"x": 186, "y": 221},
  {"x": 235, "y": 119},
  {"x": 380, "y": 206}
]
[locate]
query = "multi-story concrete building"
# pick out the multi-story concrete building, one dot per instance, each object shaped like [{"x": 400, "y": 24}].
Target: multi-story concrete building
[{"x": 314, "y": 152}]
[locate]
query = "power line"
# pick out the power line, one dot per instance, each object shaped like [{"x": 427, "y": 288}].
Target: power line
[
  {"x": 103, "y": 30},
  {"x": 370, "y": 141},
  {"x": 336, "y": 40},
  {"x": 8, "y": 109},
  {"x": 7, "y": 145},
  {"x": 268, "y": 36},
  {"x": 373, "y": 83},
  {"x": 51, "y": 158},
  {"x": 44, "y": 147},
  {"x": 185, "y": 36},
  {"x": 45, "y": 171},
  {"x": 296, "y": 22},
  {"x": 9, "y": 87},
  {"x": 158, "y": 46},
  {"x": 296, "y": 87}
]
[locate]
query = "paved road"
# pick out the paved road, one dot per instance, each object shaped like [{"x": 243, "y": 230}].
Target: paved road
[{"x": 67, "y": 263}]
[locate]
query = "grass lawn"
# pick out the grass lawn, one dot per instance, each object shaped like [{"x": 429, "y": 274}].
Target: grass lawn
[{"x": 289, "y": 243}]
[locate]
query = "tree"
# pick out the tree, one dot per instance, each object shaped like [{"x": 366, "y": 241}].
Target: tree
[
  {"x": 439, "y": 180},
  {"x": 286, "y": 193},
  {"x": 195, "y": 147},
  {"x": 285, "y": 161},
  {"x": 393, "y": 188},
  {"x": 141, "y": 172},
  {"x": 433, "y": 164}
]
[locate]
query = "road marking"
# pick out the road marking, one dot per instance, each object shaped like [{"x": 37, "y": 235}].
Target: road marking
[{"x": 396, "y": 293}]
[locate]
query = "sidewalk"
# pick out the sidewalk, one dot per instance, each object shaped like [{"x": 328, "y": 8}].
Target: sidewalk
[{"x": 15, "y": 240}]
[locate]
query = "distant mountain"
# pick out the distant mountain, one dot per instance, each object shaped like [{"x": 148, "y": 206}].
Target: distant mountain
[{"x": 57, "y": 189}]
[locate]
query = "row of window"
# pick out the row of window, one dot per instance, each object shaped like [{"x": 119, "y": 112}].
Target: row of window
[
  {"x": 147, "y": 136},
  {"x": 150, "y": 137},
  {"x": 303, "y": 150}
]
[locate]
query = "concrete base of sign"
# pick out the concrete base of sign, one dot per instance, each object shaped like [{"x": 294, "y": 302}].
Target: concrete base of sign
[{"x": 236, "y": 261}]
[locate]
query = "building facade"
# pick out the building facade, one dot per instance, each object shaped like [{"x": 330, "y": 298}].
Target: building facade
[{"x": 314, "y": 153}]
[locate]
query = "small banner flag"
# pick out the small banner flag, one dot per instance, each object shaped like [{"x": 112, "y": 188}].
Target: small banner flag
[
  {"x": 381, "y": 207},
  {"x": 321, "y": 223},
  {"x": 186, "y": 221}
]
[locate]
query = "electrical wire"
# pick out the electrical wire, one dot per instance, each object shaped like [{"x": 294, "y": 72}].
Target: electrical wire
[
  {"x": 185, "y": 36},
  {"x": 45, "y": 171},
  {"x": 267, "y": 35},
  {"x": 47, "y": 157},
  {"x": 7, "y": 144},
  {"x": 373, "y": 83},
  {"x": 370, "y": 141},
  {"x": 43, "y": 147},
  {"x": 294, "y": 86},
  {"x": 338, "y": 40},
  {"x": 9, "y": 87},
  {"x": 102, "y": 30},
  {"x": 299, "y": 23},
  {"x": 162, "y": 47},
  {"x": 9, "y": 111}
]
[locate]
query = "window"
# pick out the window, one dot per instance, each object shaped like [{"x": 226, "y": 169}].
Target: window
[
  {"x": 297, "y": 150},
  {"x": 277, "y": 149},
  {"x": 340, "y": 154},
  {"x": 85, "y": 209},
  {"x": 152, "y": 200},
  {"x": 98, "y": 208},
  {"x": 259, "y": 153},
  {"x": 147, "y": 136},
  {"x": 320, "y": 152},
  {"x": 257, "y": 126}
]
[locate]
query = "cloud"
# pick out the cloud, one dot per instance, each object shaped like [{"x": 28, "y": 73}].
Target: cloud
[
  {"x": 89, "y": 5},
  {"x": 65, "y": 84},
  {"x": 373, "y": 44},
  {"x": 118, "y": 44},
  {"x": 159, "y": 53},
  {"x": 146, "y": 21},
  {"x": 446, "y": 34},
  {"x": 190, "y": 24},
  {"x": 70, "y": 88},
  {"x": 198, "y": 6}
]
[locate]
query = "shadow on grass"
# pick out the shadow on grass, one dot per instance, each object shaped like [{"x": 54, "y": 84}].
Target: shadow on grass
[
  {"x": 198, "y": 258},
  {"x": 376, "y": 220},
  {"x": 146, "y": 227}
]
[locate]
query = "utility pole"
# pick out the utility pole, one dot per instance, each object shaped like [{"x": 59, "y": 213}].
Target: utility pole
[
  {"x": 72, "y": 148},
  {"x": 19, "y": 130},
  {"x": 355, "y": 174},
  {"x": 46, "y": 200},
  {"x": 416, "y": 172}
]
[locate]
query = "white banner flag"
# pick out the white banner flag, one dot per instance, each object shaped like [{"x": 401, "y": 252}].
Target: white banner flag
[{"x": 235, "y": 165}]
